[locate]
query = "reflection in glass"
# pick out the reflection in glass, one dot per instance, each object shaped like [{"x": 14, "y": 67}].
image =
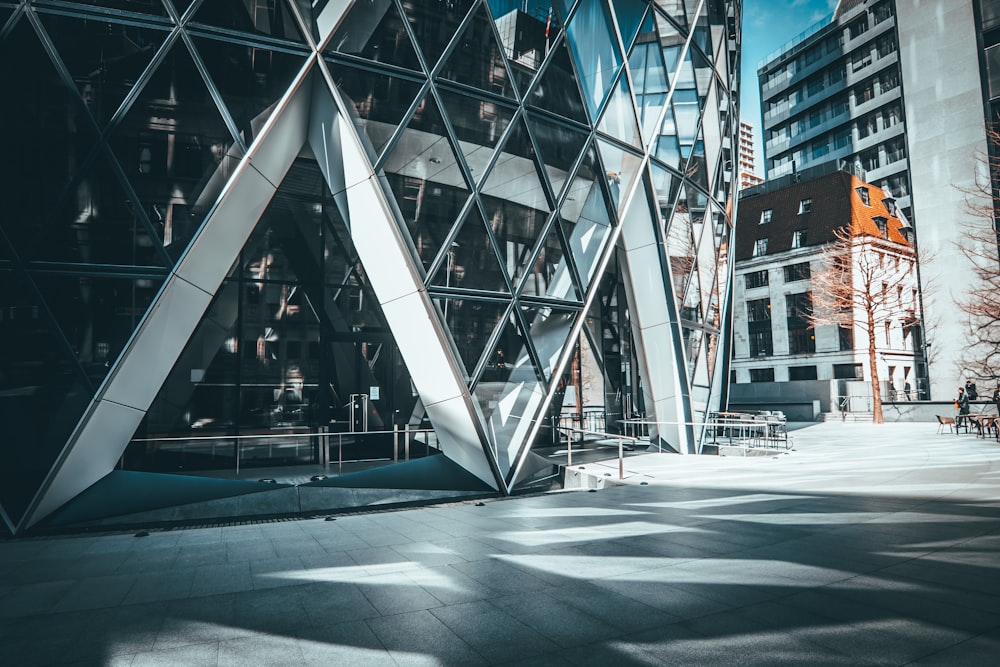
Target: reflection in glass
[
  {"x": 548, "y": 329},
  {"x": 478, "y": 124},
  {"x": 434, "y": 24},
  {"x": 547, "y": 273},
  {"x": 424, "y": 177},
  {"x": 375, "y": 31},
  {"x": 560, "y": 147},
  {"x": 619, "y": 117},
  {"x": 43, "y": 394},
  {"x": 105, "y": 59},
  {"x": 509, "y": 393},
  {"x": 471, "y": 322},
  {"x": 264, "y": 18},
  {"x": 476, "y": 60},
  {"x": 585, "y": 217},
  {"x": 97, "y": 314},
  {"x": 471, "y": 260},
  {"x": 621, "y": 168},
  {"x": 558, "y": 91},
  {"x": 251, "y": 80},
  {"x": 175, "y": 149},
  {"x": 379, "y": 101},
  {"x": 595, "y": 51}
]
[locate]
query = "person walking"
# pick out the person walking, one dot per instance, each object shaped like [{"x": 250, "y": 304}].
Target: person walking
[{"x": 971, "y": 391}]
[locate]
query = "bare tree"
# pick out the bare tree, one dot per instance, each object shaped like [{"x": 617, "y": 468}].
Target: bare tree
[
  {"x": 981, "y": 246},
  {"x": 857, "y": 289}
]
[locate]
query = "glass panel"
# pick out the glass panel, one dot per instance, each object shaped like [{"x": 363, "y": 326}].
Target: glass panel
[
  {"x": 629, "y": 15},
  {"x": 50, "y": 123},
  {"x": 471, "y": 323},
  {"x": 434, "y": 24},
  {"x": 649, "y": 76},
  {"x": 619, "y": 116},
  {"x": 680, "y": 248},
  {"x": 471, "y": 261},
  {"x": 270, "y": 18},
  {"x": 424, "y": 177},
  {"x": 703, "y": 73},
  {"x": 476, "y": 60},
  {"x": 527, "y": 30},
  {"x": 692, "y": 348},
  {"x": 97, "y": 315},
  {"x": 251, "y": 80},
  {"x": 620, "y": 168},
  {"x": 671, "y": 41},
  {"x": 175, "y": 150},
  {"x": 558, "y": 91},
  {"x": 515, "y": 177},
  {"x": 665, "y": 185},
  {"x": 375, "y": 31},
  {"x": 595, "y": 50},
  {"x": 42, "y": 395},
  {"x": 586, "y": 220},
  {"x": 690, "y": 307},
  {"x": 182, "y": 5},
  {"x": 509, "y": 393},
  {"x": 559, "y": 147},
  {"x": 686, "y": 113},
  {"x": 154, "y": 7},
  {"x": 547, "y": 274},
  {"x": 548, "y": 329},
  {"x": 478, "y": 124},
  {"x": 380, "y": 103},
  {"x": 105, "y": 59}
]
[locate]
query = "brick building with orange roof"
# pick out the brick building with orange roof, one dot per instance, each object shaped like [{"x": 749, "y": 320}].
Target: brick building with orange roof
[{"x": 782, "y": 236}]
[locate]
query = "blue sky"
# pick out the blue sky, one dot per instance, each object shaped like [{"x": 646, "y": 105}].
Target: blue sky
[{"x": 767, "y": 26}]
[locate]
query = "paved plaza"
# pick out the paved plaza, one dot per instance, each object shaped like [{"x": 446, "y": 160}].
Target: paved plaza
[{"x": 862, "y": 545}]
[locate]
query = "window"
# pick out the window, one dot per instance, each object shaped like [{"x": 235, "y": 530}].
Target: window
[
  {"x": 848, "y": 372},
  {"x": 861, "y": 58},
  {"x": 842, "y": 139},
  {"x": 863, "y": 193},
  {"x": 820, "y": 148},
  {"x": 760, "y": 247},
  {"x": 759, "y": 310},
  {"x": 858, "y": 27},
  {"x": 802, "y": 373},
  {"x": 883, "y": 225},
  {"x": 798, "y": 238},
  {"x": 759, "y": 327},
  {"x": 756, "y": 279},
  {"x": 846, "y": 338},
  {"x": 765, "y": 216},
  {"x": 801, "y": 336},
  {"x": 805, "y": 206},
  {"x": 762, "y": 375},
  {"x": 795, "y": 272}
]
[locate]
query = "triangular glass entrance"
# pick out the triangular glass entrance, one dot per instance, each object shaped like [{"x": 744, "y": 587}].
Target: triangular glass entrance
[{"x": 471, "y": 323}]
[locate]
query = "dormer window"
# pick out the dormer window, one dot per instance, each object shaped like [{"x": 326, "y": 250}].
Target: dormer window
[
  {"x": 765, "y": 216},
  {"x": 890, "y": 206},
  {"x": 760, "y": 247},
  {"x": 863, "y": 193},
  {"x": 805, "y": 206},
  {"x": 883, "y": 225}
]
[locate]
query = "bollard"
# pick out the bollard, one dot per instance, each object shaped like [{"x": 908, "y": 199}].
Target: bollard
[
  {"x": 395, "y": 442},
  {"x": 621, "y": 461}
]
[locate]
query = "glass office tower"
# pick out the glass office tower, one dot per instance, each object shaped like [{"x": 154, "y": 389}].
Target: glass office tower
[{"x": 232, "y": 227}]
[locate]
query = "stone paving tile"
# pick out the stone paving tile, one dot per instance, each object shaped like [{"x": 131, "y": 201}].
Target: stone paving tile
[{"x": 863, "y": 546}]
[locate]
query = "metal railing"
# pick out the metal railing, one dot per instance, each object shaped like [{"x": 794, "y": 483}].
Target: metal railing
[
  {"x": 583, "y": 433},
  {"x": 323, "y": 442}
]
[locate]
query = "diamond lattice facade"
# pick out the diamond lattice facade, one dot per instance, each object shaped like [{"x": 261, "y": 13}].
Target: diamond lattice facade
[{"x": 231, "y": 229}]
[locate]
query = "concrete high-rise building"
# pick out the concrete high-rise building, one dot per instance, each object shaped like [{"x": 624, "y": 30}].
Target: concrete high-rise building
[
  {"x": 748, "y": 166},
  {"x": 260, "y": 234},
  {"x": 898, "y": 92}
]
